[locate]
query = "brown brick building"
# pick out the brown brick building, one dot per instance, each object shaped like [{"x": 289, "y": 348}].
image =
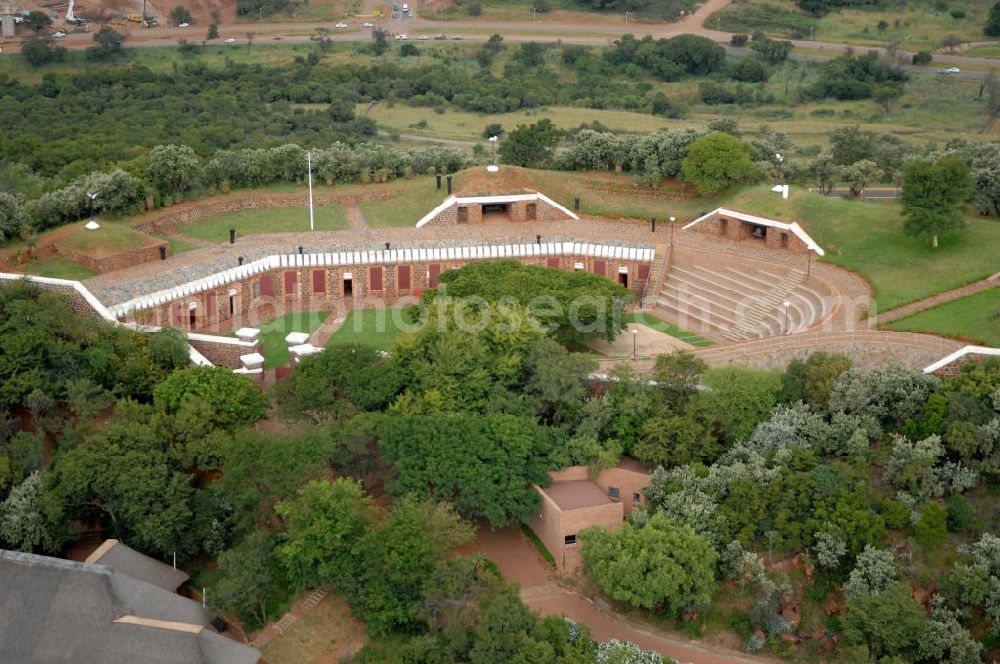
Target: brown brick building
[
  {"x": 574, "y": 501},
  {"x": 276, "y": 285}
]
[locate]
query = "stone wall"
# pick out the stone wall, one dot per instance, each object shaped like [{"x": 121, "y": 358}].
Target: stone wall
[
  {"x": 254, "y": 301},
  {"x": 168, "y": 220},
  {"x": 221, "y": 351},
  {"x": 517, "y": 211},
  {"x": 721, "y": 225},
  {"x": 866, "y": 348},
  {"x": 116, "y": 261}
]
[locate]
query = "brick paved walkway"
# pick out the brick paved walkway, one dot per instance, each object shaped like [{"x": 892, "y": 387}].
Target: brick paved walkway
[{"x": 935, "y": 300}]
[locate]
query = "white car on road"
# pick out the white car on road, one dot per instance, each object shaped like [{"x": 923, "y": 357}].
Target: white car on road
[
  {"x": 59, "y": 35},
  {"x": 183, "y": 25},
  {"x": 367, "y": 25},
  {"x": 950, "y": 70},
  {"x": 230, "y": 41},
  {"x": 341, "y": 25},
  {"x": 401, "y": 37}
]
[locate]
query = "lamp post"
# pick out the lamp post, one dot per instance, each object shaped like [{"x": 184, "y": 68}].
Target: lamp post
[
  {"x": 672, "y": 220},
  {"x": 780, "y": 161},
  {"x": 786, "y": 304},
  {"x": 492, "y": 168},
  {"x": 809, "y": 261},
  {"x": 635, "y": 334}
]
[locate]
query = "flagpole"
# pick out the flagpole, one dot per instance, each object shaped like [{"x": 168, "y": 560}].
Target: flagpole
[{"x": 309, "y": 161}]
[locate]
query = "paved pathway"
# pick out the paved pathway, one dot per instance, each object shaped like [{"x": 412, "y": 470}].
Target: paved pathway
[
  {"x": 326, "y": 330},
  {"x": 519, "y": 562},
  {"x": 935, "y": 300}
]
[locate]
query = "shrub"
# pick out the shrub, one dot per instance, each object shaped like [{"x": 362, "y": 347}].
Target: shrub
[
  {"x": 960, "y": 514},
  {"x": 930, "y": 530},
  {"x": 739, "y": 40},
  {"x": 922, "y": 58},
  {"x": 474, "y": 9}
]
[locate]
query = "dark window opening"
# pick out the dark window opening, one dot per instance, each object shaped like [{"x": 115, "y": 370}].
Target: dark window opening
[
  {"x": 614, "y": 493},
  {"x": 463, "y": 215},
  {"x": 494, "y": 207},
  {"x": 193, "y": 317},
  {"x": 623, "y": 279},
  {"x": 531, "y": 211},
  {"x": 636, "y": 498},
  {"x": 570, "y": 540},
  {"x": 348, "y": 287},
  {"x": 232, "y": 305},
  {"x": 784, "y": 240}
]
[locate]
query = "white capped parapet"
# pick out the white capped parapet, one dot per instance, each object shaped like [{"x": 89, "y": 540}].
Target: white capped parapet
[
  {"x": 491, "y": 200},
  {"x": 984, "y": 351},
  {"x": 381, "y": 256},
  {"x": 793, "y": 227}
]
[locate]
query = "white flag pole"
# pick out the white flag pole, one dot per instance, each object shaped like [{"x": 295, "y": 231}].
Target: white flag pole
[{"x": 309, "y": 161}]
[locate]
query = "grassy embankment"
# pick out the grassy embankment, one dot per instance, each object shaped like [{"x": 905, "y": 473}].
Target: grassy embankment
[
  {"x": 975, "y": 318},
  {"x": 868, "y": 237}
]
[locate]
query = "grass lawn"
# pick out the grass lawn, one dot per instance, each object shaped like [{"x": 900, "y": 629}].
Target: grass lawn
[
  {"x": 412, "y": 200},
  {"x": 917, "y": 24},
  {"x": 178, "y": 245},
  {"x": 325, "y": 633},
  {"x": 973, "y": 317},
  {"x": 58, "y": 268},
  {"x": 273, "y": 332},
  {"x": 464, "y": 125},
  {"x": 372, "y": 327},
  {"x": 254, "y": 221},
  {"x": 109, "y": 239},
  {"x": 867, "y": 237},
  {"x": 660, "y": 325}
]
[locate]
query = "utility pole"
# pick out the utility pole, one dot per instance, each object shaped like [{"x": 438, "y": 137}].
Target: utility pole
[{"x": 143, "y": 24}]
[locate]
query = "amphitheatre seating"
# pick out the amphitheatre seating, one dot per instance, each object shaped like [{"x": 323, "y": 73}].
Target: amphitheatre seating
[{"x": 736, "y": 300}]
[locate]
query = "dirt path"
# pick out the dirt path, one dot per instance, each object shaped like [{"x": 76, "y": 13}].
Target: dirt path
[
  {"x": 356, "y": 219},
  {"x": 519, "y": 562},
  {"x": 935, "y": 300}
]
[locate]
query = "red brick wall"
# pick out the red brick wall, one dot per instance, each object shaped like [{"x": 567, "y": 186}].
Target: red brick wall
[
  {"x": 118, "y": 261},
  {"x": 274, "y": 300}
]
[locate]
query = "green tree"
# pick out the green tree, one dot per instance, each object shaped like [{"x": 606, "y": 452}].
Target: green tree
[
  {"x": 259, "y": 471},
  {"x": 932, "y": 196},
  {"x": 859, "y": 175},
  {"x": 169, "y": 349},
  {"x": 663, "y": 565},
  {"x": 400, "y": 554},
  {"x": 181, "y": 14},
  {"x": 992, "y": 27},
  {"x": 675, "y": 440},
  {"x": 107, "y": 42},
  {"x": 26, "y": 515},
  {"x": 738, "y": 399},
  {"x": 233, "y": 399},
  {"x": 40, "y": 51},
  {"x": 172, "y": 168},
  {"x": 323, "y": 526},
  {"x": 249, "y": 578},
  {"x": 890, "y": 623},
  {"x": 483, "y": 465},
  {"x": 37, "y": 21},
  {"x": 531, "y": 145},
  {"x": 716, "y": 161},
  {"x": 213, "y": 31},
  {"x": 931, "y": 529},
  {"x": 344, "y": 378},
  {"x": 887, "y": 95},
  {"x": 771, "y": 51}
]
